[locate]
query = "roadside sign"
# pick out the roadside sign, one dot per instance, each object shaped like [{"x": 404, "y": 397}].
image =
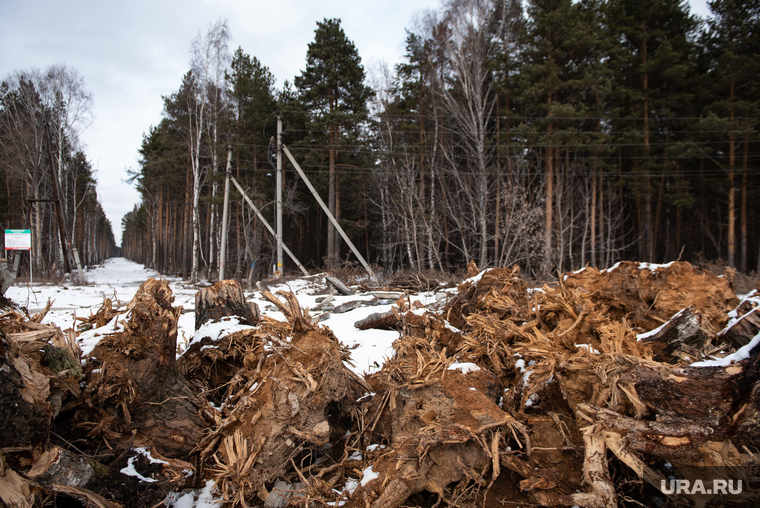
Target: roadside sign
[{"x": 18, "y": 239}]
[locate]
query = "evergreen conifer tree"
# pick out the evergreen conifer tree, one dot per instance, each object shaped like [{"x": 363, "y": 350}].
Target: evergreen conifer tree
[{"x": 333, "y": 92}]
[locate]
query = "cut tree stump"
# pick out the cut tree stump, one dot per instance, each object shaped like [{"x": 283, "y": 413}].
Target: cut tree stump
[{"x": 225, "y": 298}]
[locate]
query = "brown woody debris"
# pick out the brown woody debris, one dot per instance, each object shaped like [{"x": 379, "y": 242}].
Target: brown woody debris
[{"x": 581, "y": 393}]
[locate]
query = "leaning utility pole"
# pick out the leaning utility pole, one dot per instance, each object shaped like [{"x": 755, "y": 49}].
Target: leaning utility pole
[
  {"x": 330, "y": 215},
  {"x": 225, "y": 213},
  {"x": 266, "y": 224},
  {"x": 278, "y": 195}
]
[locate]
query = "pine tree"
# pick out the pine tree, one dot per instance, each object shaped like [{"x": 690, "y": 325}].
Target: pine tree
[
  {"x": 332, "y": 90},
  {"x": 653, "y": 68},
  {"x": 732, "y": 47},
  {"x": 252, "y": 92},
  {"x": 560, "y": 69}
]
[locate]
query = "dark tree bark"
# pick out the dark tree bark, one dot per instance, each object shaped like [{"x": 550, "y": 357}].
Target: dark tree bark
[{"x": 225, "y": 298}]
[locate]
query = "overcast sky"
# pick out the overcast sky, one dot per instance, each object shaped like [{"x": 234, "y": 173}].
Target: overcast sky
[{"x": 131, "y": 53}]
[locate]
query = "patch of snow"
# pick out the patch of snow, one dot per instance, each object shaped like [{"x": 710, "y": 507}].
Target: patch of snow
[
  {"x": 588, "y": 348},
  {"x": 526, "y": 377},
  {"x": 653, "y": 267},
  {"x": 194, "y": 498},
  {"x": 368, "y": 475},
  {"x": 146, "y": 454},
  {"x": 741, "y": 354},
  {"x": 130, "y": 470},
  {"x": 613, "y": 267},
  {"x": 474, "y": 279},
  {"x": 89, "y": 339},
  {"x": 216, "y": 330},
  {"x": 452, "y": 328},
  {"x": 464, "y": 367},
  {"x": 351, "y": 484}
]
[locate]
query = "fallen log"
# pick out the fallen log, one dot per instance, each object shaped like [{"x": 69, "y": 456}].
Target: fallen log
[
  {"x": 380, "y": 321},
  {"x": 339, "y": 285},
  {"x": 746, "y": 327}
]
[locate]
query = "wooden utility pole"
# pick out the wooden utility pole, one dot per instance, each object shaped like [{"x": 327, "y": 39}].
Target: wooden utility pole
[
  {"x": 278, "y": 194},
  {"x": 266, "y": 224},
  {"x": 225, "y": 213},
  {"x": 62, "y": 228}
]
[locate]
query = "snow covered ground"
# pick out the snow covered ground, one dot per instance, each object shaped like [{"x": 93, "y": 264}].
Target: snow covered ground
[{"x": 119, "y": 279}]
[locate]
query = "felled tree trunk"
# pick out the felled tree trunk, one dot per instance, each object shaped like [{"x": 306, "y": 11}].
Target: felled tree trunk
[
  {"x": 225, "y": 298},
  {"x": 746, "y": 327}
]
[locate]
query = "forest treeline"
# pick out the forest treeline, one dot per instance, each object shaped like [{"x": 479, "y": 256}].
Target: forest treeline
[
  {"x": 565, "y": 134},
  {"x": 42, "y": 114}
]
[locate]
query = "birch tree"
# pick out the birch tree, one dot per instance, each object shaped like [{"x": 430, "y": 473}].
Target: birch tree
[
  {"x": 475, "y": 28},
  {"x": 209, "y": 60}
]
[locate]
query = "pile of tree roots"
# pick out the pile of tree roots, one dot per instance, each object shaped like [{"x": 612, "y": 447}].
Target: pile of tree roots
[{"x": 597, "y": 391}]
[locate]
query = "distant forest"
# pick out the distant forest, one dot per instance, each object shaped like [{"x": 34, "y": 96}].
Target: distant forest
[
  {"x": 48, "y": 183},
  {"x": 565, "y": 134}
]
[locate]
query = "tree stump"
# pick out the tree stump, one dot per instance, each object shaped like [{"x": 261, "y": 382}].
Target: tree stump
[
  {"x": 225, "y": 298},
  {"x": 132, "y": 383}
]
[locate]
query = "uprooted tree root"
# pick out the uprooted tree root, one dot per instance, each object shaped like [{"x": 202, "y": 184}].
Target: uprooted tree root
[{"x": 509, "y": 396}]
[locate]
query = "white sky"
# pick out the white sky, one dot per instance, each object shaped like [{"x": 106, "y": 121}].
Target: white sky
[{"x": 131, "y": 53}]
